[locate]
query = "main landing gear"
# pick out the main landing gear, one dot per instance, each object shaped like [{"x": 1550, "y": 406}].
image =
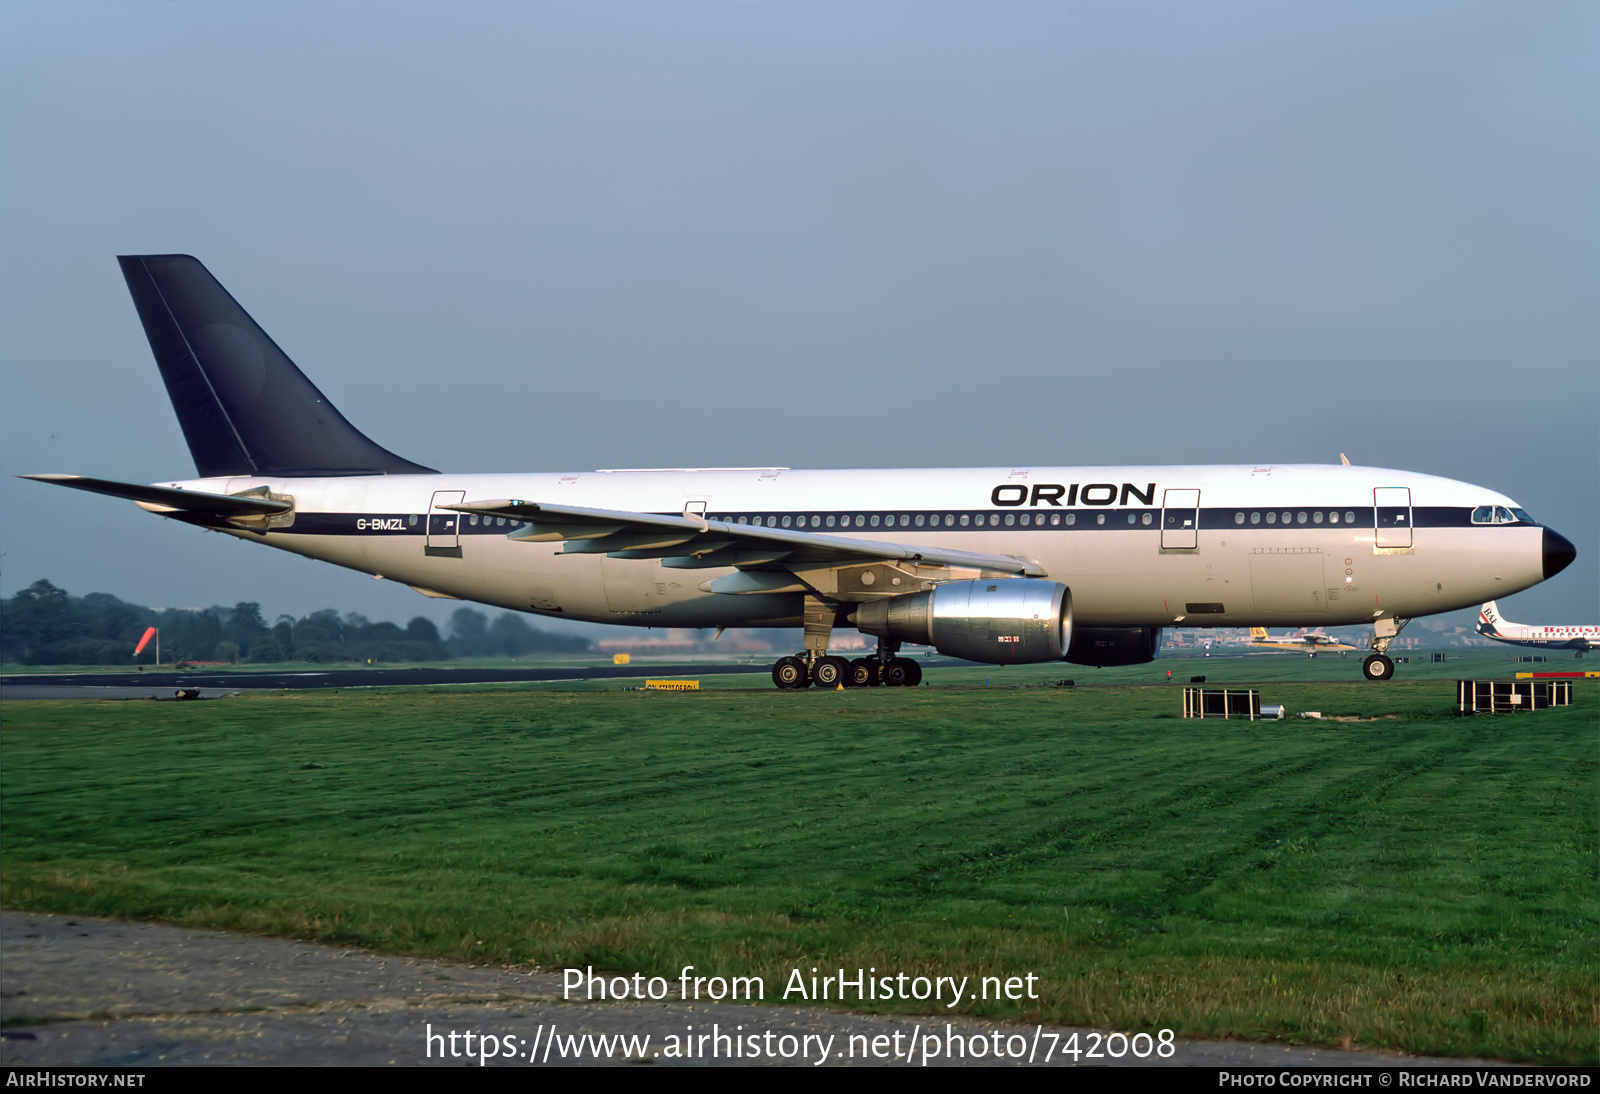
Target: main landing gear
[
  {"x": 1379, "y": 666},
  {"x": 795, "y": 673},
  {"x": 814, "y": 666}
]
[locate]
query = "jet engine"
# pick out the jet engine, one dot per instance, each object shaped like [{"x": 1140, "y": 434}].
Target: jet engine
[
  {"x": 1011, "y": 621},
  {"x": 1104, "y": 647}
]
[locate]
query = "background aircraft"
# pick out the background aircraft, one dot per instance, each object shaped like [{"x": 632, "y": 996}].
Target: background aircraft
[
  {"x": 1492, "y": 625},
  {"x": 1312, "y": 642}
]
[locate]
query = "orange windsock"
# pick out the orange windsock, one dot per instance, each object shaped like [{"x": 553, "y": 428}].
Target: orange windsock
[{"x": 149, "y": 633}]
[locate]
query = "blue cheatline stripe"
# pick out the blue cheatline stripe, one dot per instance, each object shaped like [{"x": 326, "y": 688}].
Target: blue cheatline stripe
[{"x": 926, "y": 521}]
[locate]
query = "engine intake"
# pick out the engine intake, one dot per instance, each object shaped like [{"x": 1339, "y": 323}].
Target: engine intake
[{"x": 1011, "y": 621}]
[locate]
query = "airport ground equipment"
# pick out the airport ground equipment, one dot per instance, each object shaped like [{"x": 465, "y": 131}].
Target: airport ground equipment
[
  {"x": 1511, "y": 696},
  {"x": 1243, "y": 703}
]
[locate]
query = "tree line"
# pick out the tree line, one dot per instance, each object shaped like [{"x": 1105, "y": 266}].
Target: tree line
[{"x": 45, "y": 625}]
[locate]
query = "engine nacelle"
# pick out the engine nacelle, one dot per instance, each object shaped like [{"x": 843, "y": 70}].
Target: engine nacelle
[
  {"x": 1104, "y": 647},
  {"x": 1012, "y": 621}
]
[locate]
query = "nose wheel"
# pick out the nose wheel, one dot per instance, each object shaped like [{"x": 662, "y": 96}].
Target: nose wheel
[{"x": 1379, "y": 666}]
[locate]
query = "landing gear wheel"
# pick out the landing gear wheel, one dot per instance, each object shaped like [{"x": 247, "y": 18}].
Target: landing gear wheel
[
  {"x": 902, "y": 672},
  {"x": 1377, "y": 667},
  {"x": 830, "y": 672},
  {"x": 863, "y": 673},
  {"x": 790, "y": 674}
]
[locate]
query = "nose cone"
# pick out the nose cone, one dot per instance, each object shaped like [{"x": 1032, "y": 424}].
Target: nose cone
[{"x": 1558, "y": 553}]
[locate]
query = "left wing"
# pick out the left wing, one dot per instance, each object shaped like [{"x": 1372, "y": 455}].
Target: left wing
[{"x": 769, "y": 559}]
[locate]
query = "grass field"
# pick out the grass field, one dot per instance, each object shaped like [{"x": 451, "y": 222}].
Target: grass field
[{"x": 1406, "y": 880}]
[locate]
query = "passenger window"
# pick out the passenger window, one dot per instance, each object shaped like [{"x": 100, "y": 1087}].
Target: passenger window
[
  {"x": 1272, "y": 518},
  {"x": 1333, "y": 518},
  {"x": 1316, "y": 518},
  {"x": 919, "y": 520},
  {"x": 1099, "y": 518},
  {"x": 830, "y": 521},
  {"x": 1055, "y": 519},
  {"x": 994, "y": 520},
  {"x": 1300, "y": 518},
  {"x": 1349, "y": 517},
  {"x": 1011, "y": 518},
  {"x": 786, "y": 522},
  {"x": 874, "y": 520},
  {"x": 1255, "y": 518},
  {"x": 963, "y": 520},
  {"x": 1238, "y": 518},
  {"x": 950, "y": 520},
  {"x": 1025, "y": 519},
  {"x": 1146, "y": 518},
  {"x": 1072, "y": 518},
  {"x": 905, "y": 521}
]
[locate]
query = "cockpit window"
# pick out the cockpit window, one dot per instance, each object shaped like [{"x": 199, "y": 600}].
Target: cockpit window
[{"x": 1499, "y": 514}]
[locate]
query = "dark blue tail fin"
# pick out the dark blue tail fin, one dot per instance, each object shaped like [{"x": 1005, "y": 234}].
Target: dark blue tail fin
[{"x": 244, "y": 406}]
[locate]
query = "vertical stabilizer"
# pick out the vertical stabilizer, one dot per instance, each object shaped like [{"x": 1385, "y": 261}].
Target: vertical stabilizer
[
  {"x": 1489, "y": 620},
  {"x": 244, "y": 407}
]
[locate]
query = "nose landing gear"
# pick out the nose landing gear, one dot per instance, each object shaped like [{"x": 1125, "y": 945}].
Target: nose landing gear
[{"x": 1379, "y": 666}]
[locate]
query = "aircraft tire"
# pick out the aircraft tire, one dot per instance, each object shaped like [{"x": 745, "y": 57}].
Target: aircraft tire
[
  {"x": 790, "y": 674},
  {"x": 902, "y": 672},
  {"x": 830, "y": 672},
  {"x": 863, "y": 673},
  {"x": 1377, "y": 667}
]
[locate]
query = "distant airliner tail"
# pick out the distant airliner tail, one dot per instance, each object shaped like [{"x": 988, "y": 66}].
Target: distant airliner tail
[
  {"x": 244, "y": 407},
  {"x": 1489, "y": 620}
]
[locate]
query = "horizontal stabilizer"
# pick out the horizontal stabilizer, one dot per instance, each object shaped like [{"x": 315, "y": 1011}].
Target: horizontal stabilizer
[{"x": 228, "y": 506}]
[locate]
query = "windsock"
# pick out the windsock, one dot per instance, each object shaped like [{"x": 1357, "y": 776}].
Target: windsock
[{"x": 149, "y": 633}]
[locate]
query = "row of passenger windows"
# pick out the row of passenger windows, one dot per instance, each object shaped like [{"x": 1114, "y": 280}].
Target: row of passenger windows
[
  {"x": 1315, "y": 516},
  {"x": 1484, "y": 514},
  {"x": 924, "y": 520},
  {"x": 1137, "y": 517}
]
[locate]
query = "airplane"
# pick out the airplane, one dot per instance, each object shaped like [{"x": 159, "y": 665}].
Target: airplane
[
  {"x": 1007, "y": 565},
  {"x": 1312, "y": 642},
  {"x": 1492, "y": 625}
]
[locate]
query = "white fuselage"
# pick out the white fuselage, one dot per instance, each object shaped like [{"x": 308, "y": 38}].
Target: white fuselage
[{"x": 1264, "y": 546}]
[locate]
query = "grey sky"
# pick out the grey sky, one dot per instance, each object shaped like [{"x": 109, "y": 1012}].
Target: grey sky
[{"x": 545, "y": 237}]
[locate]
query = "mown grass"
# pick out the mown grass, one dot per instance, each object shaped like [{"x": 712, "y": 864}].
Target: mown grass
[{"x": 1411, "y": 881}]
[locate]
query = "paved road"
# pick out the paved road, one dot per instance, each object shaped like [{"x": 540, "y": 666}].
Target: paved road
[
  {"x": 360, "y": 678},
  {"x": 76, "y": 990}
]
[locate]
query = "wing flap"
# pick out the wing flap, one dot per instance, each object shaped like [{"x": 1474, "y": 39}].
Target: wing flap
[{"x": 679, "y": 539}]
